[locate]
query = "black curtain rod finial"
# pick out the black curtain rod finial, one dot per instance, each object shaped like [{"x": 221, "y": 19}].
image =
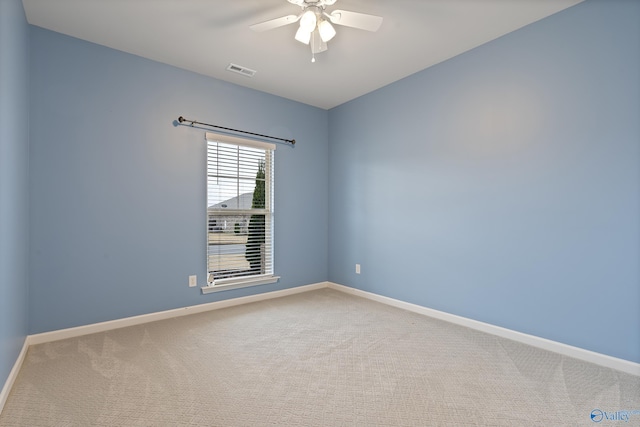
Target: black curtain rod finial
[{"x": 182, "y": 119}]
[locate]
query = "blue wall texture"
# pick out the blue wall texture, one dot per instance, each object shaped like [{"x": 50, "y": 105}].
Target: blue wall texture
[
  {"x": 118, "y": 209},
  {"x": 14, "y": 182},
  {"x": 503, "y": 185}
]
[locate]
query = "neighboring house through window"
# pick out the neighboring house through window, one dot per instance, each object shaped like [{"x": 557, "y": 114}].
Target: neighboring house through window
[{"x": 239, "y": 210}]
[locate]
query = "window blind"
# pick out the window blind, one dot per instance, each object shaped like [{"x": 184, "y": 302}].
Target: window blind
[{"x": 239, "y": 208}]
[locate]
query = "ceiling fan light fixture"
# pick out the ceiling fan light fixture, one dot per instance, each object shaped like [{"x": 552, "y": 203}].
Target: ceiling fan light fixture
[
  {"x": 303, "y": 36},
  {"x": 308, "y": 20},
  {"x": 326, "y": 30}
]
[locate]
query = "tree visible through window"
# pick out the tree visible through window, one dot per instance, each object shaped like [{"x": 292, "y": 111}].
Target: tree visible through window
[{"x": 257, "y": 225}]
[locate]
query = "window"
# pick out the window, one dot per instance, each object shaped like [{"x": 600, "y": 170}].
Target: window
[{"x": 239, "y": 211}]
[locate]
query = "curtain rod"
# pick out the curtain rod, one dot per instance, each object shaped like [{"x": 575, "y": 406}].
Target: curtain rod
[{"x": 289, "y": 141}]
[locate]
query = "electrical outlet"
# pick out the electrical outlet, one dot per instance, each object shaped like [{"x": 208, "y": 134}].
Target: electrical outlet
[
  {"x": 193, "y": 281},
  {"x": 357, "y": 268}
]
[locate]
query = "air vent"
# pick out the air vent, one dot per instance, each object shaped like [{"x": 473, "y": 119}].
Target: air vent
[{"x": 247, "y": 72}]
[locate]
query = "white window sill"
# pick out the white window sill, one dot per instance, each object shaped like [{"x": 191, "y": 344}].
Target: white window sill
[{"x": 226, "y": 285}]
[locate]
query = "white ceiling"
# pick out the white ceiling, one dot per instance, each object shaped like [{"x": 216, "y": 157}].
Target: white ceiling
[{"x": 204, "y": 36}]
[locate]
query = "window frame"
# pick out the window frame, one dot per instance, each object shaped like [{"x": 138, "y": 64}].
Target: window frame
[{"x": 248, "y": 279}]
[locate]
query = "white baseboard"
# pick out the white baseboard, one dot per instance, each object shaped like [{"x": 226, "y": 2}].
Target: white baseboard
[
  {"x": 162, "y": 315},
  {"x": 4, "y": 394},
  {"x": 543, "y": 343}
]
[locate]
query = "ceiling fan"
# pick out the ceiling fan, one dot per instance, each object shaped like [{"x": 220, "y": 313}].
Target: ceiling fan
[{"x": 315, "y": 27}]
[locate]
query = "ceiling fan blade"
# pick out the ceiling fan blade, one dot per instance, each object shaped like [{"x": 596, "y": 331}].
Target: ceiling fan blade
[
  {"x": 275, "y": 23},
  {"x": 361, "y": 21}
]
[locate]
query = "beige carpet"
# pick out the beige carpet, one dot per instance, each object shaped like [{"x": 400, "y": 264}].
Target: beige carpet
[{"x": 322, "y": 358}]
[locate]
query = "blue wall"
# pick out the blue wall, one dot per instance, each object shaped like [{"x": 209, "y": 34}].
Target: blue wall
[
  {"x": 14, "y": 182},
  {"x": 118, "y": 211},
  {"x": 503, "y": 185}
]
